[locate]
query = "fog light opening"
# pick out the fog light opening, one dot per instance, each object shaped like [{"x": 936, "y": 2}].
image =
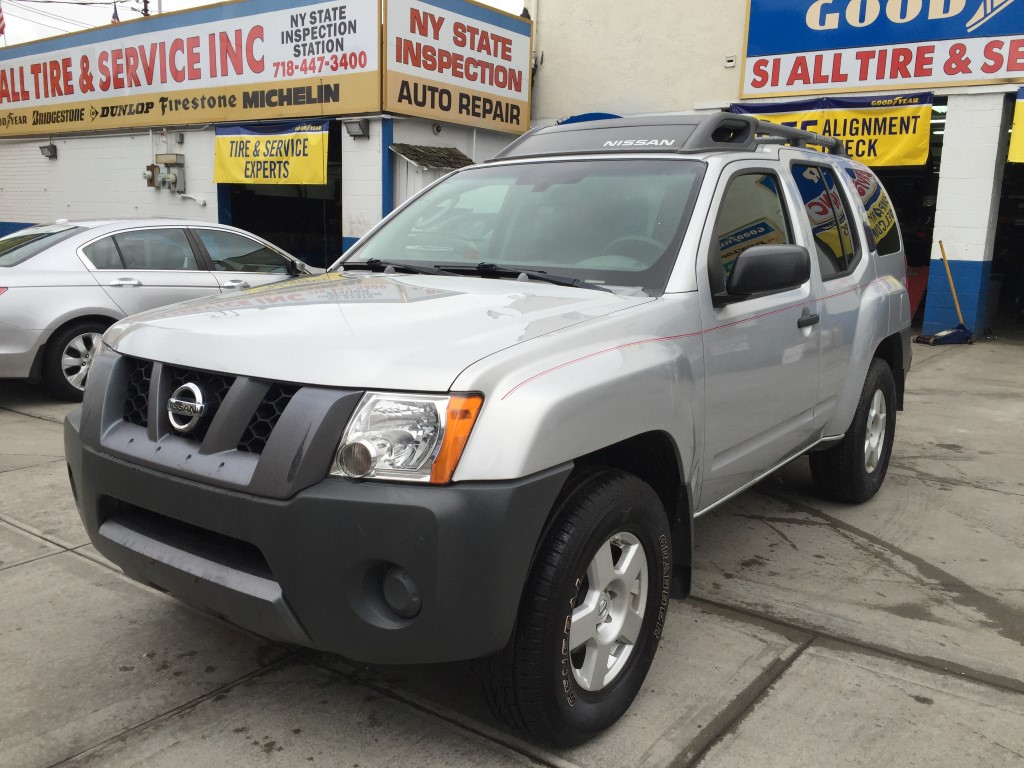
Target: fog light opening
[{"x": 401, "y": 593}]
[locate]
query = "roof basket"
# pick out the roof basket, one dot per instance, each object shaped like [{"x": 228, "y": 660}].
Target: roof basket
[{"x": 716, "y": 132}]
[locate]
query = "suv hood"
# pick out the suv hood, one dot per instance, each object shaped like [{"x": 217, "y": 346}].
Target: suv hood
[{"x": 406, "y": 332}]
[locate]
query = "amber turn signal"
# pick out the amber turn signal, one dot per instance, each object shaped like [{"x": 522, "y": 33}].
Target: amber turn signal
[{"x": 462, "y": 413}]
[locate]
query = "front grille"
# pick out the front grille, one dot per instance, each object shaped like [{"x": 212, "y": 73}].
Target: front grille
[
  {"x": 136, "y": 399},
  {"x": 215, "y": 388},
  {"x": 263, "y": 421}
]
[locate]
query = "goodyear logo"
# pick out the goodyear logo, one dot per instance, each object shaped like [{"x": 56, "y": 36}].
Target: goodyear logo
[{"x": 823, "y": 15}]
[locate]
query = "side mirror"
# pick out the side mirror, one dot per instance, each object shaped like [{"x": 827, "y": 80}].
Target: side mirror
[{"x": 763, "y": 269}]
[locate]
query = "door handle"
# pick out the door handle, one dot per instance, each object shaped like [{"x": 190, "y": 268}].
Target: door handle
[
  {"x": 237, "y": 284},
  {"x": 807, "y": 320},
  {"x": 125, "y": 282}
]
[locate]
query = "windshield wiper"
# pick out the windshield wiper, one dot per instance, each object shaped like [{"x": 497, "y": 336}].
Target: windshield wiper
[
  {"x": 377, "y": 265},
  {"x": 485, "y": 269}
]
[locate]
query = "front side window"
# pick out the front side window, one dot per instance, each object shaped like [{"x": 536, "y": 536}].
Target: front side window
[
  {"x": 878, "y": 206},
  {"x": 615, "y": 222},
  {"x": 156, "y": 249},
  {"x": 232, "y": 252},
  {"x": 751, "y": 213},
  {"x": 829, "y": 217}
]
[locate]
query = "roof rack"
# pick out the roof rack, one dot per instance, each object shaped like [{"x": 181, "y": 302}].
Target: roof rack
[
  {"x": 678, "y": 134},
  {"x": 798, "y": 138}
]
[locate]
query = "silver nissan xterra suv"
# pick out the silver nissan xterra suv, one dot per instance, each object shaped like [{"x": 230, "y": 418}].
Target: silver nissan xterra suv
[{"x": 487, "y": 431}]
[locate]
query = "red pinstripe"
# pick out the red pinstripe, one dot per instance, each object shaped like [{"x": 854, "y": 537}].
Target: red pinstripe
[{"x": 685, "y": 335}]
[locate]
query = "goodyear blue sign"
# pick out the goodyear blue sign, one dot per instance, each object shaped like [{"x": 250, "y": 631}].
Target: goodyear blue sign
[{"x": 819, "y": 46}]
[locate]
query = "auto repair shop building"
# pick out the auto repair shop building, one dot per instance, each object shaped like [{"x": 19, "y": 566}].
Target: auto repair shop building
[
  {"x": 843, "y": 67},
  {"x": 303, "y": 123}
]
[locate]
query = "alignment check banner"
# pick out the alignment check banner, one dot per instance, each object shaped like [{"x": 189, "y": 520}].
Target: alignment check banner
[{"x": 877, "y": 130}]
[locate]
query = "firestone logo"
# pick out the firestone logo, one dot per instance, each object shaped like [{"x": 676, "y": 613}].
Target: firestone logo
[{"x": 824, "y": 15}]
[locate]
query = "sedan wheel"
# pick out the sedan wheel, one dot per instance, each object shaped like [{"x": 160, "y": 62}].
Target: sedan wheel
[{"x": 69, "y": 358}]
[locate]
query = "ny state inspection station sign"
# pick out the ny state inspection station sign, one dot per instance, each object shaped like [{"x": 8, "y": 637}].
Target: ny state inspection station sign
[{"x": 841, "y": 46}]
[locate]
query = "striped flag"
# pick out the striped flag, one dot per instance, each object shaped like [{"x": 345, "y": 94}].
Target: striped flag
[
  {"x": 115, "y": 19},
  {"x": 3, "y": 24}
]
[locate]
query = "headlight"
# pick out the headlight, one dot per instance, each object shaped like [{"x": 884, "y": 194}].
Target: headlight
[{"x": 417, "y": 438}]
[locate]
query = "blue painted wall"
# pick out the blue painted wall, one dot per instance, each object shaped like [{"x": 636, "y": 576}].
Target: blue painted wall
[
  {"x": 6, "y": 227},
  {"x": 971, "y": 279}
]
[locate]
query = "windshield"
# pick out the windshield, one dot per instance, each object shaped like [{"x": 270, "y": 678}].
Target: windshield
[
  {"x": 606, "y": 222},
  {"x": 25, "y": 243}
]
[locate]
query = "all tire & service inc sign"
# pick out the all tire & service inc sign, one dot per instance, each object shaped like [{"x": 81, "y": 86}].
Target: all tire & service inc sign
[
  {"x": 250, "y": 60},
  {"x": 253, "y": 60},
  {"x": 836, "y": 46}
]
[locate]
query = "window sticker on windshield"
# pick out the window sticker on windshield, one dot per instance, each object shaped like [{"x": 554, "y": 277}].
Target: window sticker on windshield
[{"x": 763, "y": 231}]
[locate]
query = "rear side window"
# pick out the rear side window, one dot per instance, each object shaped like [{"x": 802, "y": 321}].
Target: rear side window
[
  {"x": 103, "y": 254},
  {"x": 830, "y": 218},
  {"x": 751, "y": 214},
  {"x": 163, "y": 249},
  {"x": 881, "y": 214}
]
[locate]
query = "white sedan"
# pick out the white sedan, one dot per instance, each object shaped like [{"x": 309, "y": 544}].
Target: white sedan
[{"x": 63, "y": 284}]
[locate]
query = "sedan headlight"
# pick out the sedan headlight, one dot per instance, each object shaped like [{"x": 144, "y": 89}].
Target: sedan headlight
[{"x": 418, "y": 438}]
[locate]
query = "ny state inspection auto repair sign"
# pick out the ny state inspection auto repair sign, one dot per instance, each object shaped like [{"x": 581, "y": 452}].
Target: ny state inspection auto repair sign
[{"x": 836, "y": 46}]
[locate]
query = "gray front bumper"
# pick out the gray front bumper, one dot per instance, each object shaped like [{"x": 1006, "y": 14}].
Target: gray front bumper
[
  {"x": 307, "y": 570},
  {"x": 269, "y": 542}
]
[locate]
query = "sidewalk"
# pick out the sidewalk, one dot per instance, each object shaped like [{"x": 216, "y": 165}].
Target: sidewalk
[{"x": 890, "y": 633}]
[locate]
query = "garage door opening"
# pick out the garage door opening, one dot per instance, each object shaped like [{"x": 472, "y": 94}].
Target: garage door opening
[
  {"x": 914, "y": 190},
  {"x": 305, "y": 219}
]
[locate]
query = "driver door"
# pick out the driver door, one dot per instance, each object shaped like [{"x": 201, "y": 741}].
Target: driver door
[{"x": 761, "y": 354}]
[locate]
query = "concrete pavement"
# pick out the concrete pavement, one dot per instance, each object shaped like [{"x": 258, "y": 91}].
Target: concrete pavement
[{"x": 890, "y": 633}]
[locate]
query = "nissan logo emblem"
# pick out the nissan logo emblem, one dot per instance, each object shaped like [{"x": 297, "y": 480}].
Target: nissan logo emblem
[{"x": 186, "y": 407}]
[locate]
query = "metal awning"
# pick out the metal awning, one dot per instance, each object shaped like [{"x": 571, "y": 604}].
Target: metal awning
[{"x": 432, "y": 158}]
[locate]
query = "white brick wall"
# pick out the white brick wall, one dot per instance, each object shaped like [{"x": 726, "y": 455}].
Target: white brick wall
[
  {"x": 361, "y": 185},
  {"x": 96, "y": 176},
  {"x": 360, "y": 182},
  {"x": 973, "y": 156}
]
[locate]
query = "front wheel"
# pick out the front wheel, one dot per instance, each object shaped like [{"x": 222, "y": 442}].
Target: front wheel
[
  {"x": 853, "y": 470},
  {"x": 592, "y": 613}
]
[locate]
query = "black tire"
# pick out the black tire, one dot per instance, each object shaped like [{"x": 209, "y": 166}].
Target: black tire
[
  {"x": 842, "y": 473},
  {"x": 533, "y": 684},
  {"x": 54, "y": 376}
]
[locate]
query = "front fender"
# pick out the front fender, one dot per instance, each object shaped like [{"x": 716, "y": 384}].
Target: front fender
[{"x": 568, "y": 394}]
